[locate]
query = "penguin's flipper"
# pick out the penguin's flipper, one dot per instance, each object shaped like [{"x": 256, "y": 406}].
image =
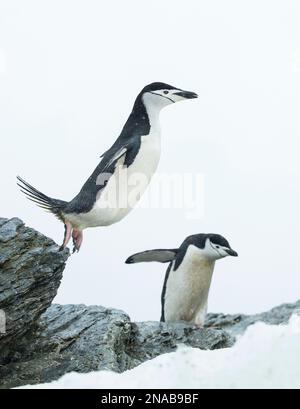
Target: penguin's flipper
[
  {"x": 115, "y": 157},
  {"x": 161, "y": 256}
]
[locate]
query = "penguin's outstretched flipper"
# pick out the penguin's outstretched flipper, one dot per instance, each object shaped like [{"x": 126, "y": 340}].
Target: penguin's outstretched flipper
[{"x": 161, "y": 256}]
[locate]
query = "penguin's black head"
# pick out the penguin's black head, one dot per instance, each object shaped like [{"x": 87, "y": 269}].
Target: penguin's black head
[
  {"x": 161, "y": 94},
  {"x": 214, "y": 246},
  {"x": 157, "y": 86}
]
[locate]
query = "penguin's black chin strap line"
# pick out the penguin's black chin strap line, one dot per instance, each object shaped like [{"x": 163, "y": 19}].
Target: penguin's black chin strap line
[{"x": 163, "y": 96}]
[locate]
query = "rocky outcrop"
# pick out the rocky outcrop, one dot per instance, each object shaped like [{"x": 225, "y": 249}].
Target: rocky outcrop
[
  {"x": 236, "y": 324},
  {"x": 44, "y": 342},
  {"x": 31, "y": 267},
  {"x": 83, "y": 339}
]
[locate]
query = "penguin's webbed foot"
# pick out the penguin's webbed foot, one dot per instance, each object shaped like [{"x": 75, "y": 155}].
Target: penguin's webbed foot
[
  {"x": 67, "y": 236},
  {"x": 77, "y": 236}
]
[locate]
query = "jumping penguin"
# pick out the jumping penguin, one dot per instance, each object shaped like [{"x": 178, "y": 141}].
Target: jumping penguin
[
  {"x": 188, "y": 278},
  {"x": 123, "y": 173}
]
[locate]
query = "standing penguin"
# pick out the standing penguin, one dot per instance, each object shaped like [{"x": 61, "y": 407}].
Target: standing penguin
[
  {"x": 123, "y": 173},
  {"x": 188, "y": 277}
]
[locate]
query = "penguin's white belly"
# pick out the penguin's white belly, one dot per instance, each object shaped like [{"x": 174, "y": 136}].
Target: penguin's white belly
[
  {"x": 187, "y": 289},
  {"x": 125, "y": 187}
]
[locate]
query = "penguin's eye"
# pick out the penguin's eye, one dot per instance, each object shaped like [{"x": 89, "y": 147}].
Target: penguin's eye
[
  {"x": 166, "y": 92},
  {"x": 217, "y": 247}
]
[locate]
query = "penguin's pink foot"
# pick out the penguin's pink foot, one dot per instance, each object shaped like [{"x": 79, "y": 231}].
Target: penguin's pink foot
[
  {"x": 77, "y": 240},
  {"x": 68, "y": 235}
]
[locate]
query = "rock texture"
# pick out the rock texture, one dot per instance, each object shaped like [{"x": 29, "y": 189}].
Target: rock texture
[
  {"x": 83, "y": 339},
  {"x": 41, "y": 344},
  {"x": 31, "y": 267},
  {"x": 237, "y": 324}
]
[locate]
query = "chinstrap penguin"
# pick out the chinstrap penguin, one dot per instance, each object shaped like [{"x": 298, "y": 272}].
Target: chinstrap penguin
[
  {"x": 188, "y": 277},
  {"x": 123, "y": 173}
]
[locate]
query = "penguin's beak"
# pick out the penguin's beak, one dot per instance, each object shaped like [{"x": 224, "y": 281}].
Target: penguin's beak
[
  {"x": 186, "y": 94},
  {"x": 232, "y": 253}
]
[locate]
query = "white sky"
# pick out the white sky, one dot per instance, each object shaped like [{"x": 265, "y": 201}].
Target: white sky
[{"x": 69, "y": 73}]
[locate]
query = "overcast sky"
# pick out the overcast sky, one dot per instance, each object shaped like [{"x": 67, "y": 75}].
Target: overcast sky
[{"x": 69, "y": 74}]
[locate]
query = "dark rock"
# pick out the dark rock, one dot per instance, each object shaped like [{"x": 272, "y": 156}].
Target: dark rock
[
  {"x": 70, "y": 338},
  {"x": 151, "y": 339},
  {"x": 31, "y": 267},
  {"x": 83, "y": 339},
  {"x": 237, "y": 324}
]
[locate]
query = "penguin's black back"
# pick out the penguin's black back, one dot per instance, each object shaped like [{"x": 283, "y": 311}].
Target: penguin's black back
[{"x": 136, "y": 126}]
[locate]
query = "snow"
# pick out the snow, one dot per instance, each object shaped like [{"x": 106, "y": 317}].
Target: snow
[{"x": 264, "y": 357}]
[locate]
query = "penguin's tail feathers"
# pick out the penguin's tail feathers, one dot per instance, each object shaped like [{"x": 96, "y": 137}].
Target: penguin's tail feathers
[{"x": 54, "y": 206}]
